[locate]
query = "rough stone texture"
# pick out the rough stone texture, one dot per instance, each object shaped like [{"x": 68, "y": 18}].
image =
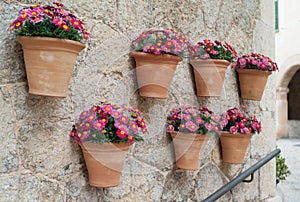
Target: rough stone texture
[
  {"x": 294, "y": 128},
  {"x": 39, "y": 163},
  {"x": 8, "y": 156}
]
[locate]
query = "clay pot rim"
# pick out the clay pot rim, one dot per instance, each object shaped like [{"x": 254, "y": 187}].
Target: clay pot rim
[
  {"x": 160, "y": 56},
  {"x": 211, "y": 61},
  {"x": 53, "y": 39},
  {"x": 237, "y": 135},
  {"x": 253, "y": 71}
]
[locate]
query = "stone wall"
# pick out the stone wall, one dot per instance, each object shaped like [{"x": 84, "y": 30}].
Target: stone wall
[{"x": 38, "y": 162}]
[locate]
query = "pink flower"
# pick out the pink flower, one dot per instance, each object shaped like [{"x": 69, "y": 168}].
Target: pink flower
[
  {"x": 187, "y": 117},
  {"x": 77, "y": 24},
  {"x": 107, "y": 109},
  {"x": 208, "y": 126},
  {"x": 170, "y": 129},
  {"x": 191, "y": 126},
  {"x": 233, "y": 130},
  {"x": 122, "y": 132},
  {"x": 123, "y": 119},
  {"x": 130, "y": 138},
  {"x": 200, "y": 121},
  {"x": 134, "y": 127},
  {"x": 98, "y": 125}
]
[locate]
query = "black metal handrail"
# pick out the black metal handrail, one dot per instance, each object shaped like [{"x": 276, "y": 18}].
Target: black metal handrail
[{"x": 220, "y": 192}]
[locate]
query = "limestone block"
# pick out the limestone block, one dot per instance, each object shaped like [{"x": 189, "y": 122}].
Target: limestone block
[
  {"x": 8, "y": 155},
  {"x": 37, "y": 107},
  {"x": 139, "y": 182},
  {"x": 45, "y": 148},
  {"x": 11, "y": 57},
  {"x": 78, "y": 189},
  {"x": 208, "y": 180},
  {"x": 9, "y": 187},
  {"x": 179, "y": 186}
]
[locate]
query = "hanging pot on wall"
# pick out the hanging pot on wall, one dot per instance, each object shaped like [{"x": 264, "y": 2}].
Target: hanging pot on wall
[
  {"x": 49, "y": 64},
  {"x": 155, "y": 73},
  {"x": 104, "y": 162},
  {"x": 234, "y": 147},
  {"x": 252, "y": 83},
  {"x": 209, "y": 76},
  {"x": 188, "y": 149}
]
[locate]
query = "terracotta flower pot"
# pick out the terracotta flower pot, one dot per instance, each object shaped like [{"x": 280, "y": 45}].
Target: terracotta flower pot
[
  {"x": 188, "y": 149},
  {"x": 155, "y": 73},
  {"x": 252, "y": 83},
  {"x": 234, "y": 147},
  {"x": 49, "y": 64},
  {"x": 104, "y": 162},
  {"x": 209, "y": 76}
]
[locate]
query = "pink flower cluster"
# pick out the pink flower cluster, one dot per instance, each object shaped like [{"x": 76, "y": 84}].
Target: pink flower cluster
[
  {"x": 167, "y": 41},
  {"x": 190, "y": 119},
  {"x": 109, "y": 123},
  {"x": 255, "y": 61},
  {"x": 235, "y": 121},
  {"x": 57, "y": 15},
  {"x": 208, "y": 49}
]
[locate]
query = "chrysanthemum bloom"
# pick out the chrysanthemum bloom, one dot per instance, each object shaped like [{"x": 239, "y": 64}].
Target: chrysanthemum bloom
[
  {"x": 233, "y": 130},
  {"x": 116, "y": 114},
  {"x": 191, "y": 126},
  {"x": 98, "y": 125},
  {"x": 87, "y": 125},
  {"x": 107, "y": 109},
  {"x": 91, "y": 116},
  {"x": 122, "y": 132},
  {"x": 200, "y": 121},
  {"x": 134, "y": 126},
  {"x": 170, "y": 129},
  {"x": 130, "y": 138},
  {"x": 208, "y": 126},
  {"x": 76, "y": 23},
  {"x": 187, "y": 117}
]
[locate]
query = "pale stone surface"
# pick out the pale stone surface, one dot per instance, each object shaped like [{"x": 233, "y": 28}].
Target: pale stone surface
[
  {"x": 8, "y": 156},
  {"x": 294, "y": 128},
  {"x": 39, "y": 163},
  {"x": 9, "y": 187},
  {"x": 11, "y": 70}
]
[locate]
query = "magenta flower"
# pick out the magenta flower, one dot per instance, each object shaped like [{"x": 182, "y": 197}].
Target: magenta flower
[
  {"x": 233, "y": 130},
  {"x": 123, "y": 119},
  {"x": 116, "y": 114},
  {"x": 107, "y": 109},
  {"x": 191, "y": 126},
  {"x": 157, "y": 51},
  {"x": 134, "y": 127},
  {"x": 130, "y": 138},
  {"x": 169, "y": 43},
  {"x": 200, "y": 121},
  {"x": 36, "y": 20},
  {"x": 242, "y": 62},
  {"x": 98, "y": 125},
  {"x": 170, "y": 129},
  {"x": 91, "y": 117},
  {"x": 187, "y": 117},
  {"x": 87, "y": 125},
  {"x": 208, "y": 126},
  {"x": 122, "y": 132}
]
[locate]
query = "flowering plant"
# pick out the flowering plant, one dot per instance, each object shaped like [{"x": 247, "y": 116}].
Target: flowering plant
[
  {"x": 190, "y": 119},
  {"x": 255, "y": 61},
  {"x": 49, "y": 21},
  {"x": 235, "y": 121},
  {"x": 167, "y": 41},
  {"x": 109, "y": 123},
  {"x": 208, "y": 49}
]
